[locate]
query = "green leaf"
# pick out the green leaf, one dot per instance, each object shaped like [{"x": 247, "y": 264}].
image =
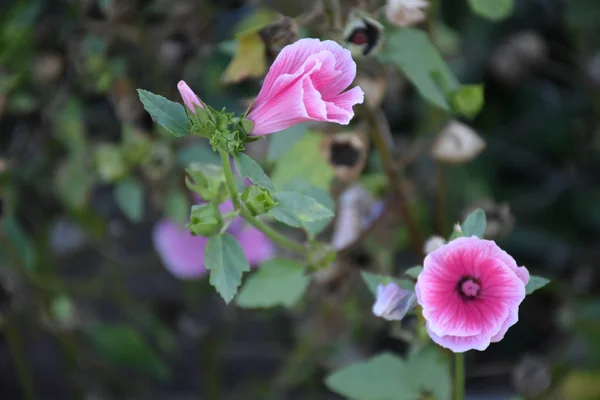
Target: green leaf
[
  {"x": 276, "y": 282},
  {"x": 21, "y": 245},
  {"x": 474, "y": 224},
  {"x": 226, "y": 261},
  {"x": 296, "y": 209},
  {"x": 73, "y": 182},
  {"x": 468, "y": 100},
  {"x": 70, "y": 127},
  {"x": 389, "y": 377},
  {"x": 304, "y": 160},
  {"x": 197, "y": 153},
  {"x": 322, "y": 196},
  {"x": 124, "y": 347},
  {"x": 248, "y": 168},
  {"x": 535, "y": 283},
  {"x": 283, "y": 141},
  {"x": 422, "y": 64},
  {"x": 494, "y": 10},
  {"x": 110, "y": 163},
  {"x": 168, "y": 114},
  {"x": 374, "y": 280},
  {"x": 177, "y": 207},
  {"x": 414, "y": 271},
  {"x": 129, "y": 196}
]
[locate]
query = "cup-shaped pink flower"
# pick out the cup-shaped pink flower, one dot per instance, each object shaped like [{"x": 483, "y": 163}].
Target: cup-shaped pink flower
[
  {"x": 470, "y": 291},
  {"x": 183, "y": 254},
  {"x": 307, "y": 82},
  {"x": 190, "y": 99}
]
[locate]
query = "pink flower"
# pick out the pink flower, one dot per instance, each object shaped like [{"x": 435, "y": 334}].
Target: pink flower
[
  {"x": 189, "y": 97},
  {"x": 183, "y": 254},
  {"x": 306, "y": 83},
  {"x": 470, "y": 291}
]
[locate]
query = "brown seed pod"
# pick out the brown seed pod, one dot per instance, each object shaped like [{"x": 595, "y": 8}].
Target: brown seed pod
[
  {"x": 347, "y": 154},
  {"x": 363, "y": 34}
]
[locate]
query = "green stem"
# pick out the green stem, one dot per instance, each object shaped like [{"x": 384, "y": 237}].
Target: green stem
[
  {"x": 271, "y": 233},
  {"x": 459, "y": 376},
  {"x": 382, "y": 138},
  {"x": 14, "y": 343}
]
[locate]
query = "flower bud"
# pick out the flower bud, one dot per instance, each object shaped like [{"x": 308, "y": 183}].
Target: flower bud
[
  {"x": 258, "y": 200},
  {"x": 207, "y": 180},
  {"x": 231, "y": 141},
  {"x": 393, "y": 302},
  {"x": 191, "y": 100},
  {"x": 205, "y": 220},
  {"x": 110, "y": 163},
  {"x": 363, "y": 35}
]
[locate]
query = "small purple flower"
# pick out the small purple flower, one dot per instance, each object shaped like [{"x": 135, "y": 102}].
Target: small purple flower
[
  {"x": 393, "y": 302},
  {"x": 183, "y": 254}
]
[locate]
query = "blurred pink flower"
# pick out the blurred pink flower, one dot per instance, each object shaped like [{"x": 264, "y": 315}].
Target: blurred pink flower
[
  {"x": 306, "y": 83},
  {"x": 470, "y": 291},
  {"x": 189, "y": 97},
  {"x": 183, "y": 254}
]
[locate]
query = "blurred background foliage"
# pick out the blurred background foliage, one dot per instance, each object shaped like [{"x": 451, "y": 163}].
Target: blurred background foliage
[{"x": 88, "y": 310}]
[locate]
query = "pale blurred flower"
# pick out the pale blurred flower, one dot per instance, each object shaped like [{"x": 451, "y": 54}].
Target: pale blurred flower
[
  {"x": 457, "y": 143},
  {"x": 406, "y": 12},
  {"x": 433, "y": 243},
  {"x": 393, "y": 302}
]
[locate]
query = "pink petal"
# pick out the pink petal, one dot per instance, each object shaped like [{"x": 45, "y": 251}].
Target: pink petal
[
  {"x": 340, "y": 110},
  {"x": 189, "y": 97},
  {"x": 460, "y": 344},
  {"x": 257, "y": 247},
  {"x": 181, "y": 253}
]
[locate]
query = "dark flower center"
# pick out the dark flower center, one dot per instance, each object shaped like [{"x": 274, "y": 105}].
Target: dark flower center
[{"x": 468, "y": 287}]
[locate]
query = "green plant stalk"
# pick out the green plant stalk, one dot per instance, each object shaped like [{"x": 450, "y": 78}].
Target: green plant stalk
[
  {"x": 67, "y": 341},
  {"x": 258, "y": 224},
  {"x": 459, "y": 376},
  {"x": 382, "y": 138},
  {"x": 14, "y": 343}
]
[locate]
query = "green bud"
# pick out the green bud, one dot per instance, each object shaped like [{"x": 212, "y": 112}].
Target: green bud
[
  {"x": 321, "y": 256},
  {"x": 467, "y": 100},
  {"x": 229, "y": 141},
  {"x": 202, "y": 116},
  {"x": 207, "y": 180},
  {"x": 205, "y": 220},
  {"x": 110, "y": 163},
  {"x": 246, "y": 125},
  {"x": 223, "y": 121},
  {"x": 258, "y": 200},
  {"x": 136, "y": 145}
]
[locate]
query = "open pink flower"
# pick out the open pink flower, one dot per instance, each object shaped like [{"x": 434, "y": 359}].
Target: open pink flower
[
  {"x": 470, "y": 291},
  {"x": 306, "y": 83},
  {"x": 183, "y": 254},
  {"x": 189, "y": 97}
]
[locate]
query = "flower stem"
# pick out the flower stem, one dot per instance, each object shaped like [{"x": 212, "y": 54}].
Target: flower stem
[
  {"x": 25, "y": 377},
  {"x": 459, "y": 376},
  {"x": 382, "y": 138},
  {"x": 271, "y": 233}
]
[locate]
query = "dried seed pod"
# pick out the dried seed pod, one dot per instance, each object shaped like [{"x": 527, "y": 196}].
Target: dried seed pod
[
  {"x": 374, "y": 86},
  {"x": 515, "y": 57},
  {"x": 500, "y": 220},
  {"x": 283, "y": 31},
  {"x": 406, "y": 12},
  {"x": 531, "y": 377},
  {"x": 347, "y": 154},
  {"x": 457, "y": 143},
  {"x": 363, "y": 35},
  {"x": 433, "y": 243}
]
